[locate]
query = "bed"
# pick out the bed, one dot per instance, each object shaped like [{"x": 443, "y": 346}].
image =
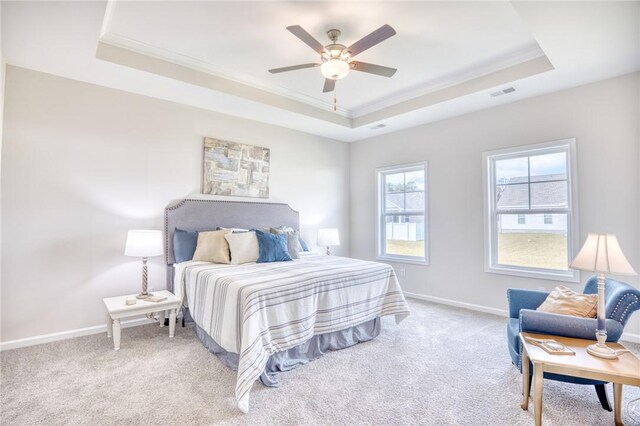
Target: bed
[{"x": 262, "y": 318}]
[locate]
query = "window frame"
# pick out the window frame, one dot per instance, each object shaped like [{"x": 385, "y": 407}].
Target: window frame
[
  {"x": 490, "y": 214},
  {"x": 381, "y": 214}
]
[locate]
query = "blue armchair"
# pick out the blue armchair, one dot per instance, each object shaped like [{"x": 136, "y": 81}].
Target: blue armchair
[{"x": 621, "y": 300}]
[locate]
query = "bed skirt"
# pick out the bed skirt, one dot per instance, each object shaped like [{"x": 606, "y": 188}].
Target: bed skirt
[{"x": 299, "y": 355}]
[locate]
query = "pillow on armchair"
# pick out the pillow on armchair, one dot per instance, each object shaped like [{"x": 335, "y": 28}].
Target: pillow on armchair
[{"x": 563, "y": 300}]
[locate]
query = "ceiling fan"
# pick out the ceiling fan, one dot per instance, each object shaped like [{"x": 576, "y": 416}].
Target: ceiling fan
[{"x": 336, "y": 59}]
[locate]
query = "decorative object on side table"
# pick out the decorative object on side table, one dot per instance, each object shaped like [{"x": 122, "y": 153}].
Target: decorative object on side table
[
  {"x": 601, "y": 253},
  {"x": 328, "y": 237},
  {"x": 144, "y": 243},
  {"x": 550, "y": 346}
]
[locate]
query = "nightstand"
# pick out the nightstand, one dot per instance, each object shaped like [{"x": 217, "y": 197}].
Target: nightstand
[{"x": 118, "y": 309}]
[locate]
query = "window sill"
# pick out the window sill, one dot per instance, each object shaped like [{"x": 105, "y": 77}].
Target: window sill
[
  {"x": 393, "y": 259},
  {"x": 572, "y": 277}
]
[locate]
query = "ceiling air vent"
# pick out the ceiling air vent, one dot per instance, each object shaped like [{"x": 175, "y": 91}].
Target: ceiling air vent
[
  {"x": 378, "y": 126},
  {"x": 503, "y": 92}
]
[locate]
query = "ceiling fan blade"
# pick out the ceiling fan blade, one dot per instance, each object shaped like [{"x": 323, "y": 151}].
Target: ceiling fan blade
[
  {"x": 293, "y": 68},
  {"x": 379, "y": 35},
  {"x": 329, "y": 85},
  {"x": 307, "y": 38},
  {"x": 372, "y": 68}
]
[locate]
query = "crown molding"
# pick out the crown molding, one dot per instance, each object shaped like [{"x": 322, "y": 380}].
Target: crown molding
[
  {"x": 504, "y": 69},
  {"x": 475, "y": 85},
  {"x": 186, "y": 61},
  {"x": 471, "y": 72}
]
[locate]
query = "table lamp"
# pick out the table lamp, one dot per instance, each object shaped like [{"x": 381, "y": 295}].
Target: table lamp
[
  {"x": 328, "y": 237},
  {"x": 601, "y": 253},
  {"x": 143, "y": 243}
]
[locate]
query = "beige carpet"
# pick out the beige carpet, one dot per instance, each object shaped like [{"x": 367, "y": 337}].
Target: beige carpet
[{"x": 441, "y": 366}]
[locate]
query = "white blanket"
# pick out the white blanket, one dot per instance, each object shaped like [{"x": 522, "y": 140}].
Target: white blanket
[{"x": 258, "y": 309}]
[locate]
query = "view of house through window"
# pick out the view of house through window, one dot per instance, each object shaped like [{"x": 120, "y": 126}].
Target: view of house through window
[
  {"x": 402, "y": 212},
  {"x": 531, "y": 211}
]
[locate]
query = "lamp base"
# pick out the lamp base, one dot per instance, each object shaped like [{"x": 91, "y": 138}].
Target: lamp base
[
  {"x": 602, "y": 351},
  {"x": 143, "y": 295}
]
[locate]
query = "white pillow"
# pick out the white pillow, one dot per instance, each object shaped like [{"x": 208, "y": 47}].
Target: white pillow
[{"x": 244, "y": 247}]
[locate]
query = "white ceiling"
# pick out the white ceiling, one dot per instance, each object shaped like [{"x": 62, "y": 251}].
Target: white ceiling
[
  {"x": 434, "y": 41},
  {"x": 449, "y": 55}
]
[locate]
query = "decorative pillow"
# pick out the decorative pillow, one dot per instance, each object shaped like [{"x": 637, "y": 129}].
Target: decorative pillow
[
  {"x": 292, "y": 240},
  {"x": 243, "y": 246},
  {"x": 272, "y": 247},
  {"x": 281, "y": 229},
  {"x": 234, "y": 230},
  {"x": 303, "y": 245},
  {"x": 184, "y": 244},
  {"x": 213, "y": 247},
  {"x": 293, "y": 244},
  {"x": 563, "y": 300}
]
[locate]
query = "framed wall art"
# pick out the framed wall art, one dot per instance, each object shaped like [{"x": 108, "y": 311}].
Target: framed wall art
[{"x": 235, "y": 169}]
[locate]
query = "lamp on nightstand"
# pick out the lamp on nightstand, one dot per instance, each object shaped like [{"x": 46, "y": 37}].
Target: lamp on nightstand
[
  {"x": 328, "y": 237},
  {"x": 143, "y": 243},
  {"x": 601, "y": 253}
]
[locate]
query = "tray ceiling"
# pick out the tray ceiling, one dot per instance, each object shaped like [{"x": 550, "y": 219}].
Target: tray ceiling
[
  {"x": 437, "y": 43},
  {"x": 450, "y": 55}
]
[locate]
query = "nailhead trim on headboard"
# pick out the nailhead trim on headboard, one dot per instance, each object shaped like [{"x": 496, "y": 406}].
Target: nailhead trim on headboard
[{"x": 182, "y": 202}]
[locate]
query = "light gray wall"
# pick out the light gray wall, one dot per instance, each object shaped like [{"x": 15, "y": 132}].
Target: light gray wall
[
  {"x": 603, "y": 117},
  {"x": 2, "y": 75},
  {"x": 82, "y": 164}
]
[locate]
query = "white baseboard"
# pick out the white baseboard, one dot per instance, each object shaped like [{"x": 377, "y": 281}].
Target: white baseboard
[
  {"x": 627, "y": 337},
  {"x": 46, "y": 338},
  {"x": 630, "y": 337},
  {"x": 470, "y": 306}
]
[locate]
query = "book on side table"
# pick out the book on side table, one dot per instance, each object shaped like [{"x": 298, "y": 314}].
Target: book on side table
[
  {"x": 156, "y": 299},
  {"x": 550, "y": 346}
]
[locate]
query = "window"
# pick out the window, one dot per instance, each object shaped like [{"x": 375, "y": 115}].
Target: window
[
  {"x": 402, "y": 213},
  {"x": 531, "y": 217}
]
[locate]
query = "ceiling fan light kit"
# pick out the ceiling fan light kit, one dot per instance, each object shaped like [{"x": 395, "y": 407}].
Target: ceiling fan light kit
[
  {"x": 336, "y": 59},
  {"x": 335, "y": 69}
]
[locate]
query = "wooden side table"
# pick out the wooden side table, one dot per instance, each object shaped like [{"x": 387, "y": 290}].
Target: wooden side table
[
  {"x": 622, "y": 371},
  {"x": 118, "y": 309}
]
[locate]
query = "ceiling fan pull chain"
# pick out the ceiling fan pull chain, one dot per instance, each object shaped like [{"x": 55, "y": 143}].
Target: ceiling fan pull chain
[{"x": 335, "y": 101}]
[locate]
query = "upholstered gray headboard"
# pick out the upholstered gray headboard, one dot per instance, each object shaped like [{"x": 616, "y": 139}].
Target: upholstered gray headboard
[{"x": 207, "y": 215}]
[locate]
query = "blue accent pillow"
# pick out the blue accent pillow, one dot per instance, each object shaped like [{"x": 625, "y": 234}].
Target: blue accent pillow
[
  {"x": 303, "y": 245},
  {"x": 184, "y": 244},
  {"x": 272, "y": 247}
]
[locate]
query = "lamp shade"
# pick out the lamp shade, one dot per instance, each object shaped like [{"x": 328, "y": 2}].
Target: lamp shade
[
  {"x": 328, "y": 237},
  {"x": 143, "y": 243},
  {"x": 602, "y": 253}
]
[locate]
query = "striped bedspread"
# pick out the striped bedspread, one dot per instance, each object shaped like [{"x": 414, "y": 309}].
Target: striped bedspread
[{"x": 256, "y": 310}]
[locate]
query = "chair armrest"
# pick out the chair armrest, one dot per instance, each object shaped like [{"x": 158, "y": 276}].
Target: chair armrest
[
  {"x": 524, "y": 299},
  {"x": 566, "y": 325}
]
